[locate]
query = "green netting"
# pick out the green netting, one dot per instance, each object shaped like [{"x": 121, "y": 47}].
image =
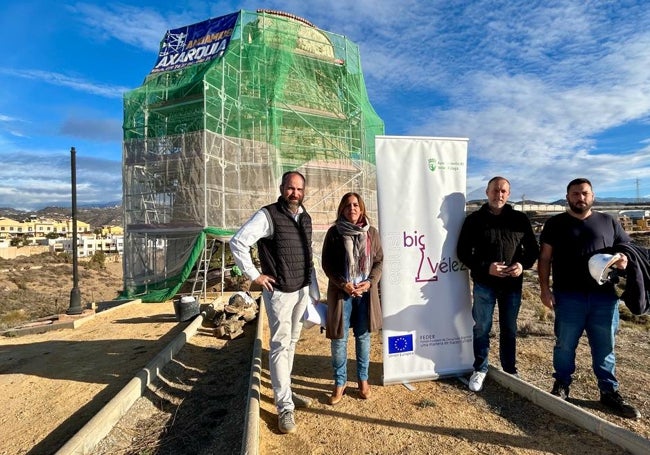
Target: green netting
[
  {"x": 205, "y": 145},
  {"x": 165, "y": 290}
]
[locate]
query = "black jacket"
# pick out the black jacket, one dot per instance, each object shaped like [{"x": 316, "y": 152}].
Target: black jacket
[
  {"x": 486, "y": 238},
  {"x": 636, "y": 294}
]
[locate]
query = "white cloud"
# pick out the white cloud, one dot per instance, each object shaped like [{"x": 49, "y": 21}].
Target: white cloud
[
  {"x": 75, "y": 83},
  {"x": 11, "y": 126},
  {"x": 533, "y": 86},
  {"x": 34, "y": 179},
  {"x": 6, "y": 118},
  {"x": 532, "y": 107},
  {"x": 139, "y": 27}
]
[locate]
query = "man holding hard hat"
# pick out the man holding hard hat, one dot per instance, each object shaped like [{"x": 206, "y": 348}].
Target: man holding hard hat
[{"x": 581, "y": 302}]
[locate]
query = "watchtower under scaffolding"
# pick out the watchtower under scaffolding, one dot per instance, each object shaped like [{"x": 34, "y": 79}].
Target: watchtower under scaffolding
[{"x": 231, "y": 104}]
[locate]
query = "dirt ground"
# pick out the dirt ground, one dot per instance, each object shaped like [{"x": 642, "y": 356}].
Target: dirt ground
[
  {"x": 196, "y": 406},
  {"x": 52, "y": 383},
  {"x": 443, "y": 416}
]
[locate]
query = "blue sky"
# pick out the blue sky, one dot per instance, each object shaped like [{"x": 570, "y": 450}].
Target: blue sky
[{"x": 545, "y": 90}]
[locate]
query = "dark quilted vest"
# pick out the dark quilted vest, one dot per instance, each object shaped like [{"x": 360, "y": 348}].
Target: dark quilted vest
[{"x": 287, "y": 256}]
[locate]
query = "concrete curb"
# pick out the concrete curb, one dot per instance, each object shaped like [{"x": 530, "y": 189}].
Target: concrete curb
[
  {"x": 62, "y": 321},
  {"x": 251, "y": 438},
  {"x": 85, "y": 440},
  {"x": 622, "y": 437}
]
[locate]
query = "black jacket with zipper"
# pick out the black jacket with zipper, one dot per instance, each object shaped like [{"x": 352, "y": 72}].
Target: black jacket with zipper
[
  {"x": 486, "y": 238},
  {"x": 636, "y": 293}
]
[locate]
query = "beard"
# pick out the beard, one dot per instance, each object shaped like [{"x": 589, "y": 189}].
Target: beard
[
  {"x": 293, "y": 204},
  {"x": 580, "y": 209}
]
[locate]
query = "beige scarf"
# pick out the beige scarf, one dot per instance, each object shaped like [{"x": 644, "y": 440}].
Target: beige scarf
[{"x": 356, "y": 242}]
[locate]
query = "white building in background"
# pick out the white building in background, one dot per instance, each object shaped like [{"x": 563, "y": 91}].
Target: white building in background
[
  {"x": 635, "y": 214},
  {"x": 89, "y": 245},
  {"x": 472, "y": 206}
]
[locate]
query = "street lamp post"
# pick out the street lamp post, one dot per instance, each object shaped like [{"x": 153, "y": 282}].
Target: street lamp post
[{"x": 75, "y": 294}]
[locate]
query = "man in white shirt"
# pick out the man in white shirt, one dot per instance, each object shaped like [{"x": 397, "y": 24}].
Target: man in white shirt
[{"x": 282, "y": 231}]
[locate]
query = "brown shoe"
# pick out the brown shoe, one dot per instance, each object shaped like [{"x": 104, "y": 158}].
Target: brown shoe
[
  {"x": 337, "y": 395},
  {"x": 364, "y": 390}
]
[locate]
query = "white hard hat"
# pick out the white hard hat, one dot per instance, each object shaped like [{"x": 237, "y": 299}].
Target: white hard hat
[
  {"x": 599, "y": 265},
  {"x": 315, "y": 314}
]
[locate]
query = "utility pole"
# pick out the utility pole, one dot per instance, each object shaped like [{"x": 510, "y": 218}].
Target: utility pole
[
  {"x": 75, "y": 294},
  {"x": 523, "y": 198},
  {"x": 638, "y": 193}
]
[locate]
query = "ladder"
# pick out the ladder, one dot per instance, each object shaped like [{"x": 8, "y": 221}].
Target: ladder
[{"x": 200, "y": 284}]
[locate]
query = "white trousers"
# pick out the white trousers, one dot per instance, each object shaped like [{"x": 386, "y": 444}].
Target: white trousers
[{"x": 285, "y": 311}]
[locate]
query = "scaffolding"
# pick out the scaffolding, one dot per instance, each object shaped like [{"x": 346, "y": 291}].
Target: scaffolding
[{"x": 205, "y": 143}]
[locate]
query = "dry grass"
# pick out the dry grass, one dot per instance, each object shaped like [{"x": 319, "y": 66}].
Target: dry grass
[{"x": 39, "y": 286}]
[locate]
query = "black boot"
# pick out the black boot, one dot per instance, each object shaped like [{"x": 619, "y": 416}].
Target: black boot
[
  {"x": 560, "y": 390},
  {"x": 615, "y": 402}
]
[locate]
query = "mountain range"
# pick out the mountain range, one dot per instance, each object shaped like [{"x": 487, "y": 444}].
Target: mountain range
[
  {"x": 111, "y": 214},
  {"x": 96, "y": 216}
]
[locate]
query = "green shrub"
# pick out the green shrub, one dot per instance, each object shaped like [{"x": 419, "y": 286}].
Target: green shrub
[{"x": 97, "y": 261}]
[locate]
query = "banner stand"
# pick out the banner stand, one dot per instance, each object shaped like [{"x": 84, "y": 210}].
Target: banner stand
[{"x": 427, "y": 332}]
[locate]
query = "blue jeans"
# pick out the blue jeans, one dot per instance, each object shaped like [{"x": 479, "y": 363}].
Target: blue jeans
[
  {"x": 356, "y": 316},
  {"x": 509, "y": 301},
  {"x": 597, "y": 314}
]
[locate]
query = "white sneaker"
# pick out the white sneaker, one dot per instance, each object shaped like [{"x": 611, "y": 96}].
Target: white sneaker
[
  {"x": 286, "y": 422},
  {"x": 476, "y": 381}
]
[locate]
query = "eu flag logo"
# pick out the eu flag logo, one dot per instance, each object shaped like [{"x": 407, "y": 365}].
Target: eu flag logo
[{"x": 400, "y": 343}]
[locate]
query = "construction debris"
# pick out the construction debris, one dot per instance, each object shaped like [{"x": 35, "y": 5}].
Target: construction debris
[{"x": 229, "y": 318}]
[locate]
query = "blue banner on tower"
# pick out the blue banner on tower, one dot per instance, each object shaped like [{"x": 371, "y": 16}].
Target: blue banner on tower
[{"x": 196, "y": 43}]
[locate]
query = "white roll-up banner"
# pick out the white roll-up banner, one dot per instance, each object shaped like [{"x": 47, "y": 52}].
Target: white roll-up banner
[{"x": 427, "y": 331}]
